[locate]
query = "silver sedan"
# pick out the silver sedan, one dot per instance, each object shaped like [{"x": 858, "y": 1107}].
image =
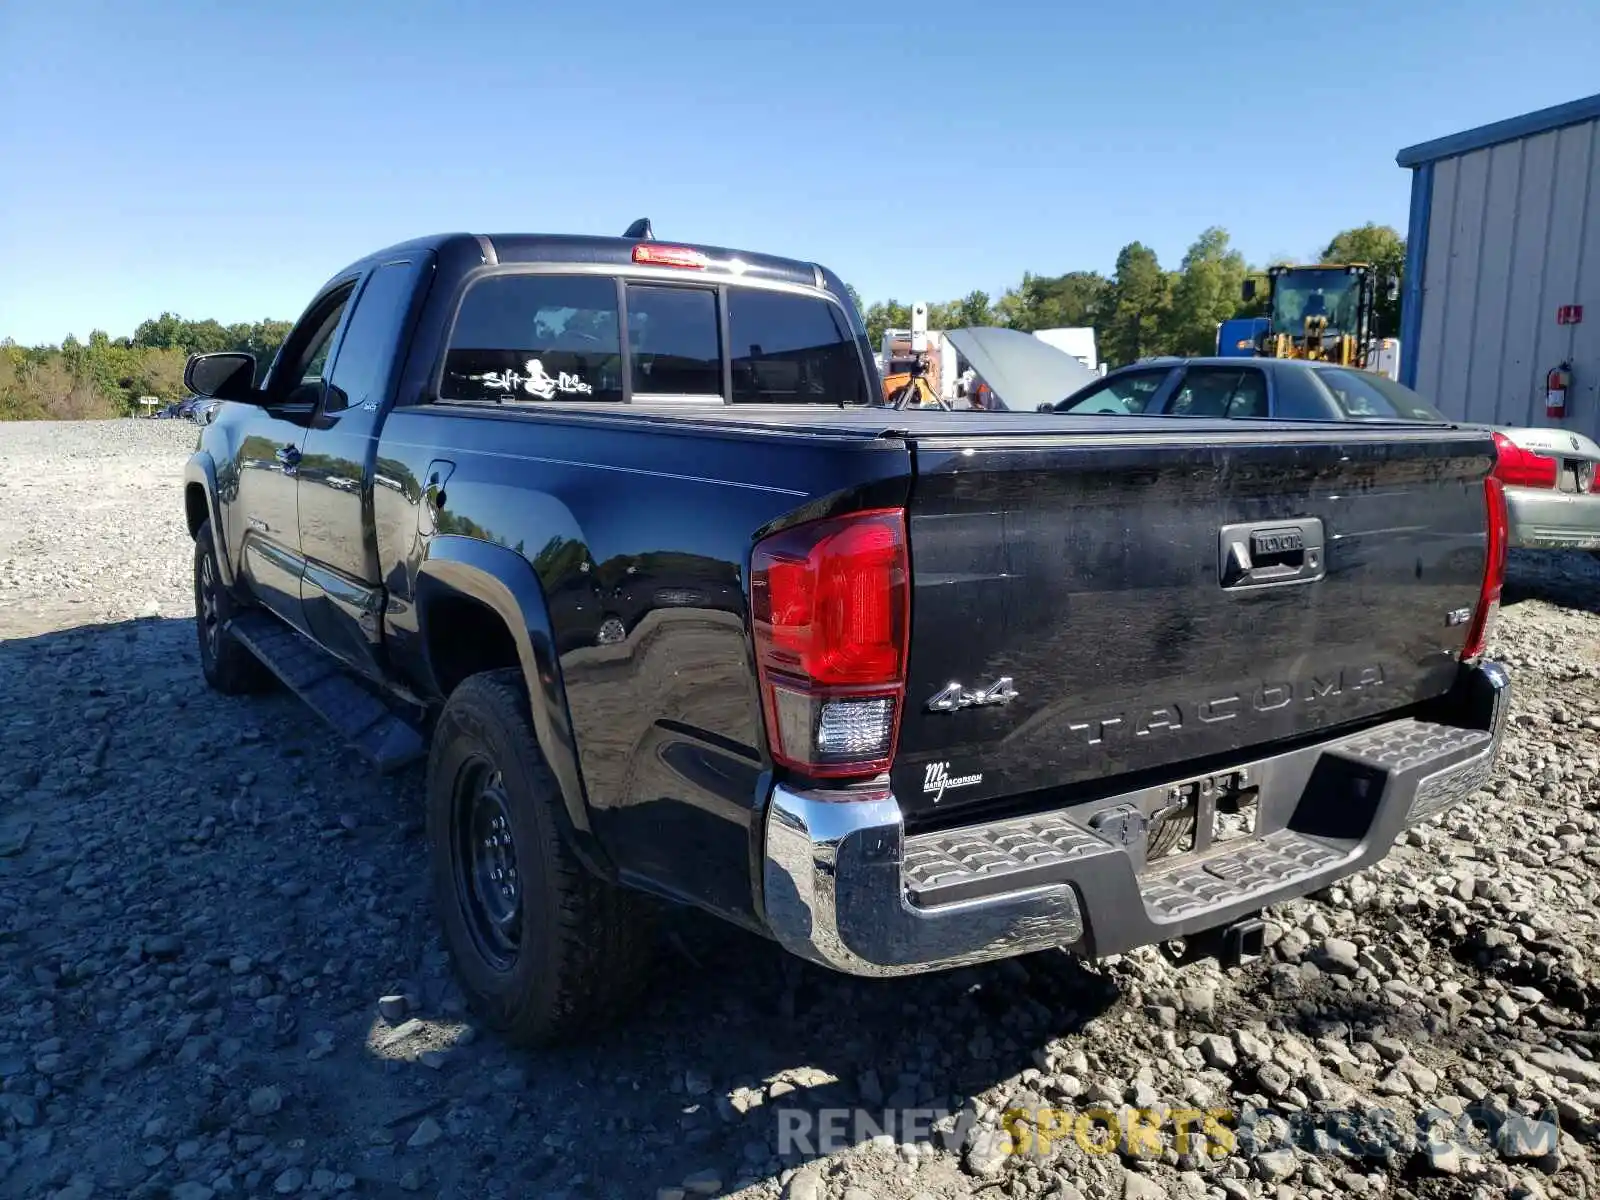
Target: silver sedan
[{"x": 1552, "y": 482}]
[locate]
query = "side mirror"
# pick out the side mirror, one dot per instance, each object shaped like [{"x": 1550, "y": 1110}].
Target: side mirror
[
  {"x": 227, "y": 376},
  {"x": 1247, "y": 290},
  {"x": 1047, "y": 407}
]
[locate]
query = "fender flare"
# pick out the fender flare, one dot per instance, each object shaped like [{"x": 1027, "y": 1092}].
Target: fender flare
[
  {"x": 505, "y": 582},
  {"x": 202, "y": 469}
]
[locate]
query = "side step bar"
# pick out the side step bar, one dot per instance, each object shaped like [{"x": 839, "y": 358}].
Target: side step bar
[{"x": 374, "y": 730}]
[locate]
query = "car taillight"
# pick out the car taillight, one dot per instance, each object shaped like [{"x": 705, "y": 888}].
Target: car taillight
[
  {"x": 1588, "y": 477},
  {"x": 651, "y": 254},
  {"x": 1516, "y": 467},
  {"x": 1494, "y": 569},
  {"x": 830, "y": 608}
]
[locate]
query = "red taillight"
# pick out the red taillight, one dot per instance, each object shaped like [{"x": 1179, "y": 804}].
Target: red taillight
[
  {"x": 830, "y": 607},
  {"x": 650, "y": 254},
  {"x": 1516, "y": 467},
  {"x": 1494, "y": 569}
]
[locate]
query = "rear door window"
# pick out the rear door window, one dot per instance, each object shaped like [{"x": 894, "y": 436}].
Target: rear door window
[
  {"x": 673, "y": 341},
  {"x": 364, "y": 369},
  {"x": 790, "y": 349},
  {"x": 529, "y": 338}
]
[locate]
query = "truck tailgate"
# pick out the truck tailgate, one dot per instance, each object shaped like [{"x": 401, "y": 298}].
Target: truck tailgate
[{"x": 1162, "y": 598}]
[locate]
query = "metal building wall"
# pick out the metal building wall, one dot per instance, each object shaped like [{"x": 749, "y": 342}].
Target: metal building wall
[{"x": 1512, "y": 233}]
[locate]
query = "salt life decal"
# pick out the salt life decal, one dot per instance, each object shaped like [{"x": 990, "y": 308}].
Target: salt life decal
[{"x": 536, "y": 382}]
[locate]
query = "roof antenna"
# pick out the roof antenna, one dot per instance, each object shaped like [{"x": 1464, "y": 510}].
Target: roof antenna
[{"x": 640, "y": 231}]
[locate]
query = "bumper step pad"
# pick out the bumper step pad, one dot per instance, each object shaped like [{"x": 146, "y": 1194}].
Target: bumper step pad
[
  {"x": 1277, "y": 859},
  {"x": 941, "y": 868},
  {"x": 371, "y": 727},
  {"x": 1406, "y": 745}
]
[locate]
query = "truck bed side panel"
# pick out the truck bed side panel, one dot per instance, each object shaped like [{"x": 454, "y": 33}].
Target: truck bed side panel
[{"x": 640, "y": 537}]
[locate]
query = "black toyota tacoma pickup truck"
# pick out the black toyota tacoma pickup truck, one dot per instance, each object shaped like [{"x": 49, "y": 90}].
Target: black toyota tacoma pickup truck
[{"x": 619, "y": 536}]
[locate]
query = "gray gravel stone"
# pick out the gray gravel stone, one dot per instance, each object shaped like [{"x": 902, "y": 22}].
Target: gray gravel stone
[
  {"x": 427, "y": 1132},
  {"x": 265, "y": 1100},
  {"x": 1275, "y": 1166},
  {"x": 1443, "y": 1158},
  {"x": 1218, "y": 1052},
  {"x": 1567, "y": 1066},
  {"x": 705, "y": 1182},
  {"x": 1340, "y": 955}
]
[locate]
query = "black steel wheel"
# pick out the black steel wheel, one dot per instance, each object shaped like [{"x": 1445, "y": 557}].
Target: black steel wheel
[
  {"x": 227, "y": 665},
  {"x": 543, "y": 948},
  {"x": 486, "y": 862}
]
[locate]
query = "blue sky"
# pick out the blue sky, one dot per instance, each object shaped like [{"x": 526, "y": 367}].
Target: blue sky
[{"x": 223, "y": 159}]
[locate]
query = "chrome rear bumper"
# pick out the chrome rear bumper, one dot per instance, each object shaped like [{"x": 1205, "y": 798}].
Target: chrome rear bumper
[
  {"x": 846, "y": 887},
  {"x": 1545, "y": 519}
]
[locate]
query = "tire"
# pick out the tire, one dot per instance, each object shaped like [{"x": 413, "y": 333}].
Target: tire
[
  {"x": 543, "y": 949},
  {"x": 227, "y": 665}
]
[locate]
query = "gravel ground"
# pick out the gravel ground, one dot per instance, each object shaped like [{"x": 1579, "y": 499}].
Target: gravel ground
[{"x": 221, "y": 976}]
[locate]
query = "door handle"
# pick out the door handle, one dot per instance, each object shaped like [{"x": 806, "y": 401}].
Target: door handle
[
  {"x": 289, "y": 456},
  {"x": 1271, "y": 554}
]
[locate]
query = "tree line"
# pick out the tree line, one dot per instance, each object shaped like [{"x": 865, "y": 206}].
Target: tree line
[
  {"x": 1142, "y": 308},
  {"x": 106, "y": 376}
]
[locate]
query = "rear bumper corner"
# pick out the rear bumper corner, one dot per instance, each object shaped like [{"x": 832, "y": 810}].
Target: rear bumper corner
[{"x": 846, "y": 887}]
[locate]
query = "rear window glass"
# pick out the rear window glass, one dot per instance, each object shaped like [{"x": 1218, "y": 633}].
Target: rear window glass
[
  {"x": 1365, "y": 396},
  {"x": 673, "y": 340},
  {"x": 535, "y": 337},
  {"x": 791, "y": 350},
  {"x": 526, "y": 338},
  {"x": 1220, "y": 392}
]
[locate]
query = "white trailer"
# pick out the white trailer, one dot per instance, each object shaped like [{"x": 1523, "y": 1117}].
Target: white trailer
[{"x": 1077, "y": 341}]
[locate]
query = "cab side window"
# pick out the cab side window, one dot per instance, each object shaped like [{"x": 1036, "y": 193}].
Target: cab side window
[{"x": 301, "y": 368}]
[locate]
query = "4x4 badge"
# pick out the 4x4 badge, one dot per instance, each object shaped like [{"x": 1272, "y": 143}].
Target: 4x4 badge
[{"x": 953, "y": 696}]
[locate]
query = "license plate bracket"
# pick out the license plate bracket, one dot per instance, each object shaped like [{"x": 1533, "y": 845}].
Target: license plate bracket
[{"x": 1199, "y": 813}]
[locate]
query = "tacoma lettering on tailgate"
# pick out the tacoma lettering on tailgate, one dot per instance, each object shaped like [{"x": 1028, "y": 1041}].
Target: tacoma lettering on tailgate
[{"x": 1265, "y": 697}]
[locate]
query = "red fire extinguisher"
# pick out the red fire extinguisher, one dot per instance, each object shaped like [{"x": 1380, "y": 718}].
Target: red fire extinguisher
[{"x": 1555, "y": 390}]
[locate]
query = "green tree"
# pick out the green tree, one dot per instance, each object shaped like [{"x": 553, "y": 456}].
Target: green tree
[
  {"x": 944, "y": 314},
  {"x": 1141, "y": 296},
  {"x": 971, "y": 309},
  {"x": 1077, "y": 298},
  {"x": 976, "y": 309},
  {"x": 885, "y": 314},
  {"x": 1206, "y": 292},
  {"x": 1385, "y": 249}
]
